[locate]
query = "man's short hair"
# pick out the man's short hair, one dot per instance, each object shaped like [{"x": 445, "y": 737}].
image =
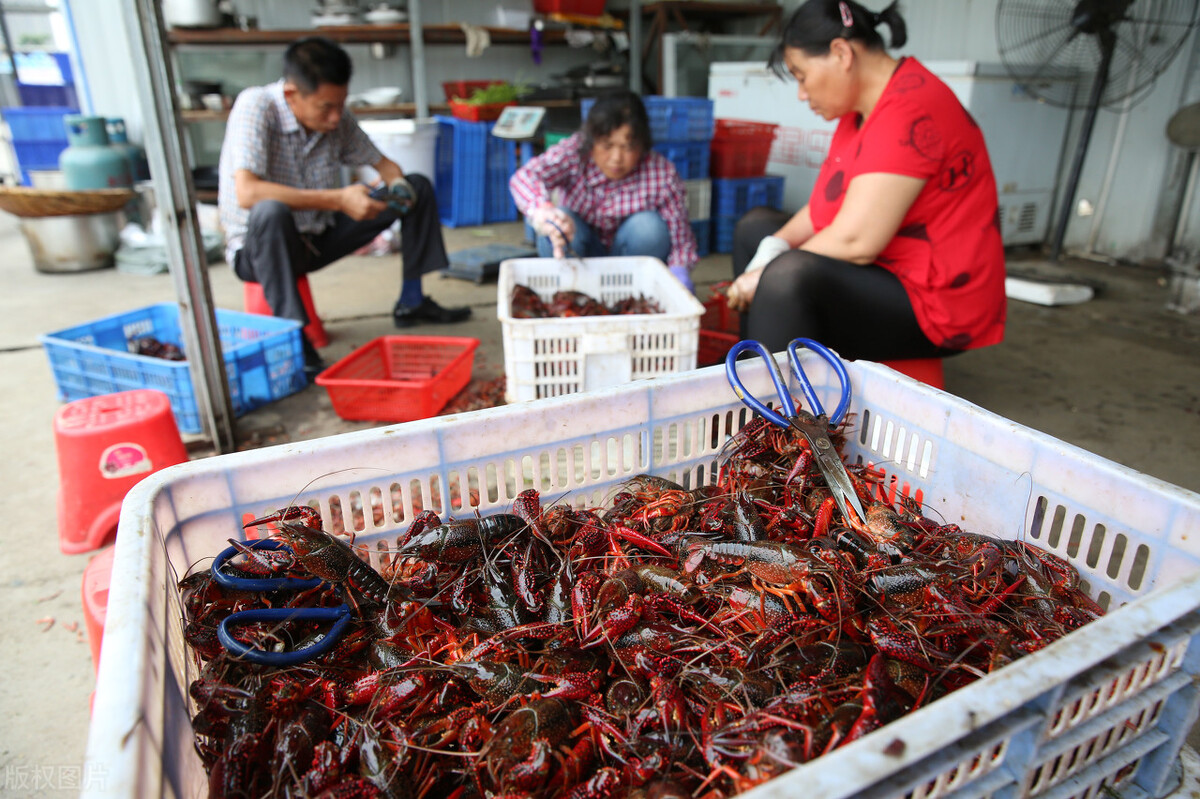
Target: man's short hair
[{"x": 314, "y": 60}]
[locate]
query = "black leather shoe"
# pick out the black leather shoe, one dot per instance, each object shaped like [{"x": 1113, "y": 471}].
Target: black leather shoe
[
  {"x": 313, "y": 363},
  {"x": 428, "y": 311}
]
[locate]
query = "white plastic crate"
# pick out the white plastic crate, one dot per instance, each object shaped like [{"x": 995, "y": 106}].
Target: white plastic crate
[
  {"x": 699, "y": 198},
  {"x": 551, "y": 357},
  {"x": 1103, "y": 711}
]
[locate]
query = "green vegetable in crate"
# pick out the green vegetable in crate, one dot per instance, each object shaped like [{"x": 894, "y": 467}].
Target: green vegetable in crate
[{"x": 495, "y": 94}]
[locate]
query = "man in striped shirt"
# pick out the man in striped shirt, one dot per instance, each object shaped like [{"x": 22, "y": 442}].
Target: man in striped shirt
[
  {"x": 281, "y": 201},
  {"x": 619, "y": 196}
]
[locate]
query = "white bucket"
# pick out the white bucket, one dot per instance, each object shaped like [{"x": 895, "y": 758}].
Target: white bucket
[{"x": 411, "y": 143}]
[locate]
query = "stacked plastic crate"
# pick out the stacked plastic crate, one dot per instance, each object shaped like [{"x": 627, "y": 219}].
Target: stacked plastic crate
[
  {"x": 739, "y": 162},
  {"x": 46, "y": 87},
  {"x": 38, "y": 137},
  {"x": 682, "y": 129},
  {"x": 472, "y": 172},
  {"x": 699, "y": 203}
]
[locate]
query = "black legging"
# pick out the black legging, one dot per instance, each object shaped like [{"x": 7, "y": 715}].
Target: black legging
[{"x": 860, "y": 311}]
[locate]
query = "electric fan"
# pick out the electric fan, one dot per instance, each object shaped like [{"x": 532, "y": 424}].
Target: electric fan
[{"x": 1088, "y": 53}]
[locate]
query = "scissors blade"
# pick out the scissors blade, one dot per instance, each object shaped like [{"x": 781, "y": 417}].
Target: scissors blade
[{"x": 831, "y": 466}]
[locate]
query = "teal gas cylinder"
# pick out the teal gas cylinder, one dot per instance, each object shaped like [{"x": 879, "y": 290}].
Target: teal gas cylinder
[
  {"x": 89, "y": 162},
  {"x": 118, "y": 139}
]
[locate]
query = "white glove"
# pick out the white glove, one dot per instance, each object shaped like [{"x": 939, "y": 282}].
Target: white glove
[
  {"x": 769, "y": 249},
  {"x": 555, "y": 224}
]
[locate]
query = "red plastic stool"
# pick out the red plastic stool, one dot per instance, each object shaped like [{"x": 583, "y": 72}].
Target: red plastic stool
[
  {"x": 256, "y": 303},
  {"x": 927, "y": 370},
  {"x": 96, "y": 579},
  {"x": 105, "y": 445}
]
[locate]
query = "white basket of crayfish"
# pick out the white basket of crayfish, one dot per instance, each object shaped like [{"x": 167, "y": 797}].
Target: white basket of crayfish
[
  {"x": 556, "y": 355},
  {"x": 1067, "y": 701}
]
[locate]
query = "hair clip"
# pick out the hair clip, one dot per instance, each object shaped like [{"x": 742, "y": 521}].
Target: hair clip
[{"x": 847, "y": 17}]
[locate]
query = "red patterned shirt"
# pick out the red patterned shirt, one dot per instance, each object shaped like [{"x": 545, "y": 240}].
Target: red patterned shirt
[
  {"x": 947, "y": 253},
  {"x": 653, "y": 185}
]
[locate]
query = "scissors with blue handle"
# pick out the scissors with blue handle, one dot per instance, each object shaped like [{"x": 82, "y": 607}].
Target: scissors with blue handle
[
  {"x": 340, "y": 616},
  {"x": 568, "y": 250},
  {"x": 813, "y": 426}
]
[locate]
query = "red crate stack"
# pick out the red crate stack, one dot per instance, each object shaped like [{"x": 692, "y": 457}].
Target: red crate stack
[{"x": 740, "y": 149}]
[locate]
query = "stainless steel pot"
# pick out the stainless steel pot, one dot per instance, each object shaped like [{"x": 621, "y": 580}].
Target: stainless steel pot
[
  {"x": 192, "y": 13},
  {"x": 73, "y": 243}
]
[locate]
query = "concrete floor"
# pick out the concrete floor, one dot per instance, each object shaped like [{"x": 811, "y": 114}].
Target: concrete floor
[{"x": 1119, "y": 376}]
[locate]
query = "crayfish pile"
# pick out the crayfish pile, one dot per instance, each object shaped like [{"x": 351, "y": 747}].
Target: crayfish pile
[
  {"x": 526, "y": 304},
  {"x": 673, "y": 643},
  {"x": 153, "y": 348}
]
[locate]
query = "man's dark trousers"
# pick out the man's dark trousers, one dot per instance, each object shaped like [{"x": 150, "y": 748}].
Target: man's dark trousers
[{"x": 275, "y": 254}]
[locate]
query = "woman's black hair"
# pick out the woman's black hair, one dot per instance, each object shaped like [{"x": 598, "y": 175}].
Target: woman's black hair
[
  {"x": 814, "y": 25},
  {"x": 611, "y": 111},
  {"x": 314, "y": 60}
]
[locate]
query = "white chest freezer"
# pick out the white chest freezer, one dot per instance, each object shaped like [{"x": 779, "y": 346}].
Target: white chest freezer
[{"x": 1024, "y": 136}]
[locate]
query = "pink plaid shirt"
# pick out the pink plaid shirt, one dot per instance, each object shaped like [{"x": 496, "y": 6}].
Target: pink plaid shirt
[{"x": 653, "y": 185}]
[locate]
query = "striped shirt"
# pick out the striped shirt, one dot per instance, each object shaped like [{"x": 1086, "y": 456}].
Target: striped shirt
[
  {"x": 653, "y": 185},
  {"x": 263, "y": 136}
]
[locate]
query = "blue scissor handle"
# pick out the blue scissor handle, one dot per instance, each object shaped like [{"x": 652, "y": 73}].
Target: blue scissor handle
[
  {"x": 340, "y": 616},
  {"x": 831, "y": 358},
  {"x": 258, "y": 583},
  {"x": 786, "y": 403}
]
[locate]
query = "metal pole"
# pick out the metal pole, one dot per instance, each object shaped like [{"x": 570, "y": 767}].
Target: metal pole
[
  {"x": 635, "y": 46},
  {"x": 8, "y": 48},
  {"x": 416, "y": 36},
  {"x": 176, "y": 196},
  {"x": 670, "y": 65},
  {"x": 1107, "y": 46}
]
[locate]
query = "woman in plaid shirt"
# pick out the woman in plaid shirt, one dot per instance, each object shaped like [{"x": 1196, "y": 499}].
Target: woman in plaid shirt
[{"x": 619, "y": 197}]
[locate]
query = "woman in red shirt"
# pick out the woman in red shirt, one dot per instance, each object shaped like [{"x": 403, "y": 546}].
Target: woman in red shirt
[{"x": 898, "y": 252}]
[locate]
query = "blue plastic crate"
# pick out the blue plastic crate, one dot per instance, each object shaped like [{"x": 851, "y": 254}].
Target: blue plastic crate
[
  {"x": 35, "y": 89},
  {"x": 37, "y": 155},
  {"x": 498, "y": 205},
  {"x": 36, "y": 68},
  {"x": 689, "y": 157},
  {"x": 736, "y": 196},
  {"x": 673, "y": 118},
  {"x": 37, "y": 124},
  {"x": 461, "y": 170},
  {"x": 702, "y": 230},
  {"x": 722, "y": 233},
  {"x": 47, "y": 96},
  {"x": 263, "y": 359},
  {"x": 38, "y": 136},
  {"x": 473, "y": 168}
]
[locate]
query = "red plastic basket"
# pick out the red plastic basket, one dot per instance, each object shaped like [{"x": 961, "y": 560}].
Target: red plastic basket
[
  {"x": 463, "y": 89},
  {"x": 585, "y": 8},
  {"x": 714, "y": 346},
  {"x": 740, "y": 149},
  {"x": 718, "y": 317},
  {"x": 399, "y": 378},
  {"x": 478, "y": 112}
]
